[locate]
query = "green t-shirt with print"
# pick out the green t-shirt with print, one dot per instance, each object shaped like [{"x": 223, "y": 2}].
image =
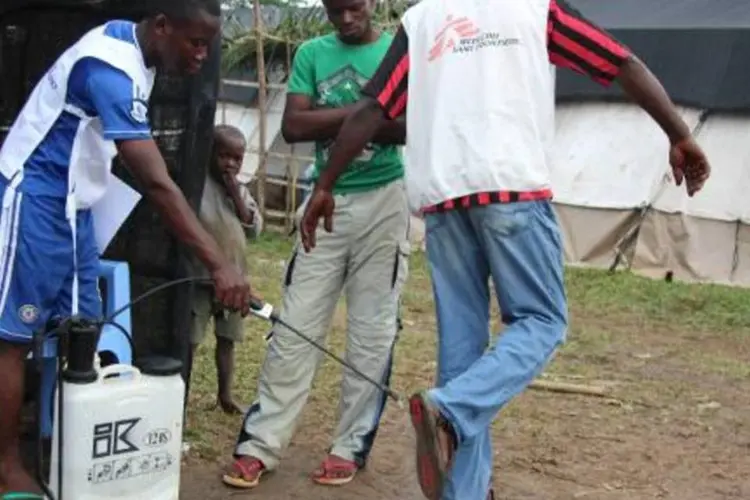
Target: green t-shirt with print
[{"x": 333, "y": 74}]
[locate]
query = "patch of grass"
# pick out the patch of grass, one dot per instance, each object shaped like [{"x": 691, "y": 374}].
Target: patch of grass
[
  {"x": 615, "y": 319},
  {"x": 709, "y": 307}
]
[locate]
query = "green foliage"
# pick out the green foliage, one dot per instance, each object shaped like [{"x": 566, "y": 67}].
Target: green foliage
[{"x": 298, "y": 24}]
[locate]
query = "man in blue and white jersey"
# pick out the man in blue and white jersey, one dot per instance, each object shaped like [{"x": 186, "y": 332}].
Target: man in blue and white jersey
[{"x": 55, "y": 164}]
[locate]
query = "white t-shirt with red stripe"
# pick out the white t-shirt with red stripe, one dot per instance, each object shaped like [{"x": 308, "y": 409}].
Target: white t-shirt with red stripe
[{"x": 476, "y": 81}]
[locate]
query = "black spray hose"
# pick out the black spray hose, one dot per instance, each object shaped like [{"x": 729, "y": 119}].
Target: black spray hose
[
  {"x": 266, "y": 311},
  {"x": 258, "y": 308}
]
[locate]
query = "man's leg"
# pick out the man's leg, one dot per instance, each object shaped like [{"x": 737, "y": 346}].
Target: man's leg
[
  {"x": 312, "y": 286},
  {"x": 523, "y": 246},
  {"x": 460, "y": 273},
  {"x": 35, "y": 257},
  {"x": 377, "y": 271},
  {"x": 13, "y": 477},
  {"x": 229, "y": 331}
]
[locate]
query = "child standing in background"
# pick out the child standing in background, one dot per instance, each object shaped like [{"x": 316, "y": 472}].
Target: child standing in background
[{"x": 227, "y": 209}]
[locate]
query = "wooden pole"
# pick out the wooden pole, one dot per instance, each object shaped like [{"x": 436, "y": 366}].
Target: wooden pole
[
  {"x": 261, "y": 173},
  {"x": 254, "y": 85},
  {"x": 290, "y": 164},
  {"x": 566, "y": 388}
]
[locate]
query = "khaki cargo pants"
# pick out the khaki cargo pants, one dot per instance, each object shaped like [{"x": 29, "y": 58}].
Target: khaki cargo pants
[{"x": 366, "y": 258}]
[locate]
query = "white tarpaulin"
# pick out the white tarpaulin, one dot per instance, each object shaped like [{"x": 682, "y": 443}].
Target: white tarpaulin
[
  {"x": 610, "y": 160},
  {"x": 609, "y": 155}
]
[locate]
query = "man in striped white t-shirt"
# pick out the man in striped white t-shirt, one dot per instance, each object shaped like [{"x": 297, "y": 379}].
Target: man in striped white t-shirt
[{"x": 476, "y": 83}]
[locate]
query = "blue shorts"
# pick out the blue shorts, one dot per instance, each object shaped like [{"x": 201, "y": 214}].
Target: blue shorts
[{"x": 37, "y": 266}]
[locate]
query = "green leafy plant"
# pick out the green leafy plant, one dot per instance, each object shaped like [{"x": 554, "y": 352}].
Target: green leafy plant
[{"x": 298, "y": 24}]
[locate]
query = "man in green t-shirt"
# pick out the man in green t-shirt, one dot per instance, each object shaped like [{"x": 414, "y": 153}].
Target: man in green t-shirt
[{"x": 366, "y": 256}]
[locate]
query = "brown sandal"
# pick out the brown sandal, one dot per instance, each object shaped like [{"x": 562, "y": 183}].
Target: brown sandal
[
  {"x": 335, "y": 471},
  {"x": 244, "y": 473},
  {"x": 436, "y": 445}
]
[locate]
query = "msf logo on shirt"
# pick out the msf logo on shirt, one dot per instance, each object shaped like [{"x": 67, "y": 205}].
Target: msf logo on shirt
[{"x": 461, "y": 35}]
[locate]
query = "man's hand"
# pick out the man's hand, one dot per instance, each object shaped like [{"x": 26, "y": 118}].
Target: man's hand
[
  {"x": 321, "y": 204},
  {"x": 689, "y": 163},
  {"x": 146, "y": 163},
  {"x": 232, "y": 289}
]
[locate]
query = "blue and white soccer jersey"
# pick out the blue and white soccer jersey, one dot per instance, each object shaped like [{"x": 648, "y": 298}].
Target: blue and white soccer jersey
[{"x": 90, "y": 98}]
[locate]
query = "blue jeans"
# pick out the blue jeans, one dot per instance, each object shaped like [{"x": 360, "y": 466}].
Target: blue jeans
[{"x": 519, "y": 247}]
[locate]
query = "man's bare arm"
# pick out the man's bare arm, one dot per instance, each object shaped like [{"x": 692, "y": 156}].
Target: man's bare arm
[
  {"x": 643, "y": 88},
  {"x": 144, "y": 160},
  {"x": 359, "y": 129},
  {"x": 391, "y": 132},
  {"x": 304, "y": 123},
  {"x": 576, "y": 43}
]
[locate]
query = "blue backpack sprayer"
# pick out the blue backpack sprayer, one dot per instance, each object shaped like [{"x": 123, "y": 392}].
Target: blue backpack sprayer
[{"x": 159, "y": 379}]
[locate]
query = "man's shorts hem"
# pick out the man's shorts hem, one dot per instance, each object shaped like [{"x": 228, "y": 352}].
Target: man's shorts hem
[
  {"x": 229, "y": 329},
  {"x": 15, "y": 338}
]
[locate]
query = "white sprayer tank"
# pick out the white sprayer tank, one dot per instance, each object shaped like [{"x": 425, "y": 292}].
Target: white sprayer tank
[{"x": 122, "y": 434}]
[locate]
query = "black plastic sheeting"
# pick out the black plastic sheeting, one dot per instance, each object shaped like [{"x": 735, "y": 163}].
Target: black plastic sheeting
[
  {"x": 699, "y": 49},
  {"x": 32, "y": 34}
]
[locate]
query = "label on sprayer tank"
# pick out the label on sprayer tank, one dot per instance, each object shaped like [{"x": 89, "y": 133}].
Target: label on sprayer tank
[{"x": 119, "y": 451}]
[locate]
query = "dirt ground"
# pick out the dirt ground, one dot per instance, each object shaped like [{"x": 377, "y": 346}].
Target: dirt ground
[
  {"x": 674, "y": 360},
  {"x": 675, "y": 423},
  {"x": 674, "y": 432}
]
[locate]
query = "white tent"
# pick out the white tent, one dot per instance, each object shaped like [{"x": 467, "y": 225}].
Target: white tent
[
  {"x": 611, "y": 164},
  {"x": 611, "y": 178}
]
